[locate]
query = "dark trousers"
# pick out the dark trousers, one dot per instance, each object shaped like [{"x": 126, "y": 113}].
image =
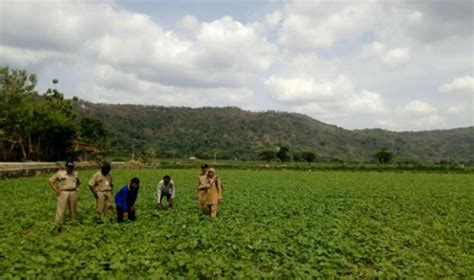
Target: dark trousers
[
  {"x": 120, "y": 212},
  {"x": 167, "y": 195}
]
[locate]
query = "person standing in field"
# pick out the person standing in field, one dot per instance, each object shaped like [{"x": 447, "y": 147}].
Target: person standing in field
[
  {"x": 201, "y": 190},
  {"x": 101, "y": 186},
  {"x": 213, "y": 192},
  {"x": 65, "y": 183},
  {"x": 125, "y": 200},
  {"x": 166, "y": 188}
]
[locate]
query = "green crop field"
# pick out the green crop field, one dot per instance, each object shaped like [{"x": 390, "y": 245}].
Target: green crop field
[{"x": 280, "y": 224}]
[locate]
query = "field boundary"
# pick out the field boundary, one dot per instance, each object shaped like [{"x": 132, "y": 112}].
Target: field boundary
[
  {"x": 28, "y": 169},
  {"x": 15, "y": 170}
]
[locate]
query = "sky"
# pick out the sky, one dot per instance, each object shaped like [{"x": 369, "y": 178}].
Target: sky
[{"x": 396, "y": 65}]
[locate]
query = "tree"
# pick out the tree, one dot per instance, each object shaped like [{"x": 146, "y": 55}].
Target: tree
[
  {"x": 297, "y": 156},
  {"x": 384, "y": 156},
  {"x": 282, "y": 154},
  {"x": 267, "y": 155},
  {"x": 93, "y": 131},
  {"x": 40, "y": 126},
  {"x": 308, "y": 156},
  {"x": 60, "y": 127},
  {"x": 17, "y": 92},
  {"x": 57, "y": 102}
]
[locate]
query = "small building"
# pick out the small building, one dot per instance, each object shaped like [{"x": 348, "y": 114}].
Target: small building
[{"x": 85, "y": 151}]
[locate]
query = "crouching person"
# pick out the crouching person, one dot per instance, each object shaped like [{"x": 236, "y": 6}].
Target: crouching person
[
  {"x": 166, "y": 188},
  {"x": 125, "y": 200}
]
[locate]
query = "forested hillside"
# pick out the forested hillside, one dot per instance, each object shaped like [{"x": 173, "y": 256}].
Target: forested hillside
[{"x": 234, "y": 133}]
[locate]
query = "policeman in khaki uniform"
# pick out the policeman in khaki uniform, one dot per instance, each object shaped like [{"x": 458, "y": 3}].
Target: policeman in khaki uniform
[
  {"x": 101, "y": 187},
  {"x": 65, "y": 183}
]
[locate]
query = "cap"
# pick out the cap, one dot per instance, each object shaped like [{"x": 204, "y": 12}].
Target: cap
[{"x": 70, "y": 163}]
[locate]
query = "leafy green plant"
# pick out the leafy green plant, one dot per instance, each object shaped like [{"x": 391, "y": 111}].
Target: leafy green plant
[{"x": 271, "y": 224}]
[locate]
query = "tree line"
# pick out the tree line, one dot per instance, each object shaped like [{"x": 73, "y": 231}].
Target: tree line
[
  {"x": 282, "y": 153},
  {"x": 44, "y": 127}
]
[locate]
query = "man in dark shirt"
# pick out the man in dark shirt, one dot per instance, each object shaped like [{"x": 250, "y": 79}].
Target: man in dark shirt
[{"x": 125, "y": 199}]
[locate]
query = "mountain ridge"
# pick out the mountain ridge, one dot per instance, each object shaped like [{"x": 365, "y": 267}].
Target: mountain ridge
[{"x": 231, "y": 132}]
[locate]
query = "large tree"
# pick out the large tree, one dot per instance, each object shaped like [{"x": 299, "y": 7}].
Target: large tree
[
  {"x": 384, "y": 156},
  {"x": 93, "y": 131},
  {"x": 282, "y": 153},
  {"x": 41, "y": 126},
  {"x": 17, "y": 93},
  {"x": 308, "y": 156},
  {"x": 267, "y": 155}
]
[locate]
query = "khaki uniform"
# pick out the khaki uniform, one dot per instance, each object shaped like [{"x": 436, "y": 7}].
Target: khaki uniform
[
  {"x": 102, "y": 185},
  {"x": 68, "y": 186},
  {"x": 210, "y": 191}
]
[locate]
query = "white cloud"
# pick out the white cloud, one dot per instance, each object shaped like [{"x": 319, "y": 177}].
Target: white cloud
[
  {"x": 430, "y": 121},
  {"x": 455, "y": 110},
  {"x": 20, "y": 57},
  {"x": 312, "y": 96},
  {"x": 415, "y": 115},
  {"x": 224, "y": 53},
  {"x": 235, "y": 45},
  {"x": 209, "y": 60},
  {"x": 432, "y": 21},
  {"x": 398, "y": 123},
  {"x": 308, "y": 25},
  {"x": 305, "y": 83},
  {"x": 312, "y": 109},
  {"x": 366, "y": 102},
  {"x": 190, "y": 24},
  {"x": 463, "y": 85},
  {"x": 414, "y": 17},
  {"x": 112, "y": 85},
  {"x": 273, "y": 19},
  {"x": 396, "y": 57},
  {"x": 320, "y": 24},
  {"x": 362, "y": 103},
  {"x": 64, "y": 26},
  {"x": 171, "y": 96},
  {"x": 417, "y": 108},
  {"x": 301, "y": 90},
  {"x": 391, "y": 57},
  {"x": 292, "y": 64}
]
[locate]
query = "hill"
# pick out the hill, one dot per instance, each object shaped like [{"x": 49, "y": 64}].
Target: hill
[{"x": 234, "y": 133}]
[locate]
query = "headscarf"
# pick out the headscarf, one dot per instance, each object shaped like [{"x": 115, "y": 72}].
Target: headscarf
[{"x": 213, "y": 179}]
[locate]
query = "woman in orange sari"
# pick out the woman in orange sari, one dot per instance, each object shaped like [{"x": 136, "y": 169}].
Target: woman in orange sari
[
  {"x": 201, "y": 187},
  {"x": 212, "y": 188}
]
